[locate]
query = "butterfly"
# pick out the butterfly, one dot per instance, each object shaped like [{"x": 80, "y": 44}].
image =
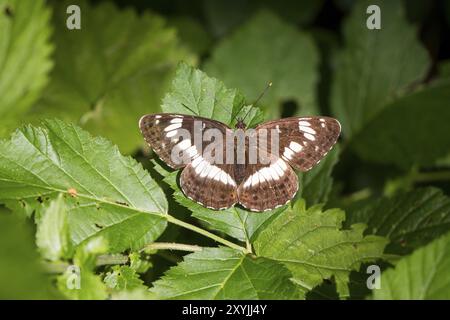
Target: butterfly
[{"x": 268, "y": 183}]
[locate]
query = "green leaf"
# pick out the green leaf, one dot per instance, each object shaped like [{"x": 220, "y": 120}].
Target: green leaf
[
  {"x": 138, "y": 263},
  {"x": 315, "y": 185},
  {"x": 235, "y": 222},
  {"x": 411, "y": 131},
  {"x": 365, "y": 77},
  {"x": 21, "y": 275},
  {"x": 136, "y": 294},
  {"x": 79, "y": 282},
  {"x": 52, "y": 236},
  {"x": 194, "y": 92},
  {"x": 409, "y": 220},
  {"x": 223, "y": 273},
  {"x": 264, "y": 50},
  {"x": 123, "y": 278},
  {"x": 24, "y": 58},
  {"x": 111, "y": 72},
  {"x": 192, "y": 34},
  {"x": 422, "y": 275},
  {"x": 312, "y": 245},
  {"x": 106, "y": 193}
]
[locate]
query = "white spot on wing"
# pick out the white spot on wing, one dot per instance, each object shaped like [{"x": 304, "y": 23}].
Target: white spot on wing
[
  {"x": 191, "y": 151},
  {"x": 183, "y": 145},
  {"x": 309, "y": 136}
]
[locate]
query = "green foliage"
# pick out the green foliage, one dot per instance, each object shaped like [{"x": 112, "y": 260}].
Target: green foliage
[
  {"x": 245, "y": 60},
  {"x": 422, "y": 275},
  {"x": 24, "y": 72},
  {"x": 409, "y": 220},
  {"x": 223, "y": 273},
  {"x": 130, "y": 61},
  {"x": 90, "y": 285},
  {"x": 312, "y": 245},
  {"x": 365, "y": 79}
]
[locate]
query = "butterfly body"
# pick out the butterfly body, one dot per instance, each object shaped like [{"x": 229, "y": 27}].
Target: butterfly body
[{"x": 258, "y": 174}]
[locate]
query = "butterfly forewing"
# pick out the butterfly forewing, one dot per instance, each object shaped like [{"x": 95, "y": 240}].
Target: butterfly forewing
[
  {"x": 303, "y": 141},
  {"x": 160, "y": 131}
]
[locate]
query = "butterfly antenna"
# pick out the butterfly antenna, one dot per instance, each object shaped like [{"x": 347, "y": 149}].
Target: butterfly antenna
[{"x": 257, "y": 99}]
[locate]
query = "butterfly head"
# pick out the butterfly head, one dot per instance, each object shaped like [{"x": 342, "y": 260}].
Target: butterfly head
[{"x": 240, "y": 124}]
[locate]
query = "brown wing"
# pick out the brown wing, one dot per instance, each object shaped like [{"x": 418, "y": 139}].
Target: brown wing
[
  {"x": 267, "y": 186},
  {"x": 303, "y": 141},
  {"x": 211, "y": 185}
]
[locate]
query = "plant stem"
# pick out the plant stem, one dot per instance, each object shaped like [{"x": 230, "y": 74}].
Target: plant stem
[
  {"x": 206, "y": 233},
  {"x": 171, "y": 246},
  {"x": 106, "y": 259}
]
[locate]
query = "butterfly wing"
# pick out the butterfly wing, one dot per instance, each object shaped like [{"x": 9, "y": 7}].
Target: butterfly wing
[
  {"x": 211, "y": 185},
  {"x": 303, "y": 141},
  {"x": 267, "y": 186}
]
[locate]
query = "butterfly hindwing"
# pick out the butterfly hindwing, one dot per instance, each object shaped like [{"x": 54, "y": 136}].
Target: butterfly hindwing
[
  {"x": 267, "y": 186},
  {"x": 211, "y": 185},
  {"x": 303, "y": 141}
]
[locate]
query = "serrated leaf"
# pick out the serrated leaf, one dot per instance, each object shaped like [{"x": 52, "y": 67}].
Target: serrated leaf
[
  {"x": 138, "y": 263},
  {"x": 264, "y": 50},
  {"x": 422, "y": 275},
  {"x": 223, "y": 17},
  {"x": 79, "y": 282},
  {"x": 24, "y": 58},
  {"x": 235, "y": 222},
  {"x": 52, "y": 235},
  {"x": 315, "y": 185},
  {"x": 123, "y": 278},
  {"x": 106, "y": 193},
  {"x": 312, "y": 245},
  {"x": 411, "y": 131},
  {"x": 409, "y": 220},
  {"x": 223, "y": 273},
  {"x": 365, "y": 76},
  {"x": 111, "y": 71}
]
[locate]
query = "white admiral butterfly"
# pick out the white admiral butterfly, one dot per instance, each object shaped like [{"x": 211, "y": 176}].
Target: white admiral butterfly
[{"x": 267, "y": 184}]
